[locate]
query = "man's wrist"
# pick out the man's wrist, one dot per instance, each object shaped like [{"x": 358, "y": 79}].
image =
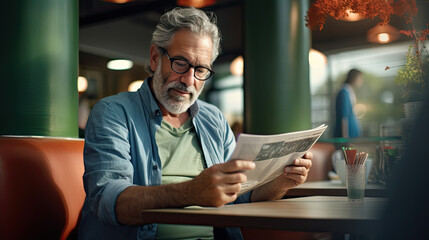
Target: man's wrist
[
  {"x": 183, "y": 193},
  {"x": 273, "y": 190}
]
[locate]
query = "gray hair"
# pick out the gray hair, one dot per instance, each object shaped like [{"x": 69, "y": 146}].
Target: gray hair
[{"x": 195, "y": 20}]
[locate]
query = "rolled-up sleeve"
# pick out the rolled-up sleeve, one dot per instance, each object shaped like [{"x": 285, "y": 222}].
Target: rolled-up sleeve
[{"x": 108, "y": 168}]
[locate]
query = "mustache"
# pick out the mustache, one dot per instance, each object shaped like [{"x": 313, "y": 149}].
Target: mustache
[{"x": 182, "y": 87}]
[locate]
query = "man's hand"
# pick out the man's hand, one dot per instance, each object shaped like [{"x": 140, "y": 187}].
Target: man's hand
[
  {"x": 292, "y": 176},
  {"x": 220, "y": 183},
  {"x": 215, "y": 186},
  {"x": 296, "y": 174}
]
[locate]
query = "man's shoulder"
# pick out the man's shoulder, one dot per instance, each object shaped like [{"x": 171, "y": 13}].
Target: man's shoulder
[
  {"x": 120, "y": 98},
  {"x": 126, "y": 102},
  {"x": 204, "y": 104}
]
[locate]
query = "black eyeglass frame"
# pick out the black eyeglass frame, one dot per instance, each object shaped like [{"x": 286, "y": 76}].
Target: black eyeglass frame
[{"x": 211, "y": 72}]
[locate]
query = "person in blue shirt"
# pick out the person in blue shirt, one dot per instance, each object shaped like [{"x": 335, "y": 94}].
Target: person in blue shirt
[
  {"x": 161, "y": 147},
  {"x": 347, "y": 124}
]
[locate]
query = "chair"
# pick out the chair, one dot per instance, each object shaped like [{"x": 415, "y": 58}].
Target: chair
[{"x": 41, "y": 187}]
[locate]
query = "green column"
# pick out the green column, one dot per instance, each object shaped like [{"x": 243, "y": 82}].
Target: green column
[
  {"x": 39, "y": 68},
  {"x": 276, "y": 85}
]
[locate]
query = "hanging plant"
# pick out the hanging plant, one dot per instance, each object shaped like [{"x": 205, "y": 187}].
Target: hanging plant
[{"x": 320, "y": 10}]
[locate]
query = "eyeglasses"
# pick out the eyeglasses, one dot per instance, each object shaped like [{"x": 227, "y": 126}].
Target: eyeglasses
[{"x": 182, "y": 66}]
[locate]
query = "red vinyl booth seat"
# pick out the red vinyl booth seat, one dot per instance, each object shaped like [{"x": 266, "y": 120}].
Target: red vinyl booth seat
[{"x": 41, "y": 187}]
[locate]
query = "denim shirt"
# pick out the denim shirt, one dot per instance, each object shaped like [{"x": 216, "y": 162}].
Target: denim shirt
[{"x": 120, "y": 151}]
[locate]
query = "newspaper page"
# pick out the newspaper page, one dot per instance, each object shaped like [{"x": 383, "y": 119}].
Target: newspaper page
[{"x": 271, "y": 153}]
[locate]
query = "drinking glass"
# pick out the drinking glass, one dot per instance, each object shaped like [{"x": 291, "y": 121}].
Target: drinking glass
[{"x": 355, "y": 181}]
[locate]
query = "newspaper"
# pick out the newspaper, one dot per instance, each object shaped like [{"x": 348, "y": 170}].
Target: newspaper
[{"x": 271, "y": 153}]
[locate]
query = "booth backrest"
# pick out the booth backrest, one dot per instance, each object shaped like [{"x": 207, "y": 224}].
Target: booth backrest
[
  {"x": 41, "y": 187},
  {"x": 322, "y": 153}
]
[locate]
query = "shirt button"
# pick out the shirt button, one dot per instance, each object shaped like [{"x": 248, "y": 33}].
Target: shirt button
[{"x": 154, "y": 167}]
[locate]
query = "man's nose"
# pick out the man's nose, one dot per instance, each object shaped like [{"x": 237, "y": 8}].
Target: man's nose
[{"x": 188, "y": 77}]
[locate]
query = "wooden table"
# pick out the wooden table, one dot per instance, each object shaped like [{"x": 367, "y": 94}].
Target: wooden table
[
  {"x": 312, "y": 214},
  {"x": 333, "y": 188}
]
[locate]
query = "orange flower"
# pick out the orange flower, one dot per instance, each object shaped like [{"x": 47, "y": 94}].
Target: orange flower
[
  {"x": 424, "y": 35},
  {"x": 406, "y": 9},
  {"x": 407, "y": 33},
  {"x": 419, "y": 36}
]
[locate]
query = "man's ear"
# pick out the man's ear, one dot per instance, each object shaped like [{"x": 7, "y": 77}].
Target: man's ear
[{"x": 154, "y": 57}]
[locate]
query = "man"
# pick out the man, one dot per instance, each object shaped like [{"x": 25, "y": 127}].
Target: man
[{"x": 161, "y": 147}]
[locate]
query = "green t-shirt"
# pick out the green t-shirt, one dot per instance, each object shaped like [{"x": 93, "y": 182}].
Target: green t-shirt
[{"x": 181, "y": 160}]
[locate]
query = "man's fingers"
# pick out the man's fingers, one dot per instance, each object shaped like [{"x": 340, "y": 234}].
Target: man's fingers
[
  {"x": 303, "y": 162},
  {"x": 308, "y": 155},
  {"x": 298, "y": 178},
  {"x": 296, "y": 170},
  {"x": 231, "y": 188},
  {"x": 231, "y": 178},
  {"x": 237, "y": 166},
  {"x": 220, "y": 183}
]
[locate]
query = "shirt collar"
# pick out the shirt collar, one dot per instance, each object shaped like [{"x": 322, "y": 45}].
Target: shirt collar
[
  {"x": 193, "y": 109},
  {"x": 351, "y": 91}
]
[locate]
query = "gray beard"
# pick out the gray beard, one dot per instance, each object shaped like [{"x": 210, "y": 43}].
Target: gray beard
[{"x": 173, "y": 103}]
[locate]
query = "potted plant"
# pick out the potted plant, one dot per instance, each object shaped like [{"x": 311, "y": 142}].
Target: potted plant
[
  {"x": 412, "y": 75},
  {"x": 411, "y": 79}
]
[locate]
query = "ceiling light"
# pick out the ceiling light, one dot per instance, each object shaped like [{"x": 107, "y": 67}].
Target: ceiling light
[
  {"x": 351, "y": 16},
  {"x": 134, "y": 86},
  {"x": 237, "y": 66},
  {"x": 118, "y": 1},
  {"x": 382, "y": 33},
  {"x": 82, "y": 84},
  {"x": 195, "y": 3},
  {"x": 383, "y": 37},
  {"x": 316, "y": 58},
  {"x": 119, "y": 64}
]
